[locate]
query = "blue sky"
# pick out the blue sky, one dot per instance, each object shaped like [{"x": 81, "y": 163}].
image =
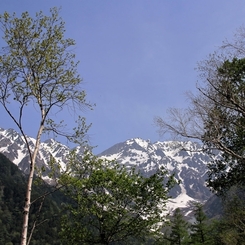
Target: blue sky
[{"x": 137, "y": 58}]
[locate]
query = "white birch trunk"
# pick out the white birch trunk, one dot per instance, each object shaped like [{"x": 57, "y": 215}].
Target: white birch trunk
[{"x": 29, "y": 188}]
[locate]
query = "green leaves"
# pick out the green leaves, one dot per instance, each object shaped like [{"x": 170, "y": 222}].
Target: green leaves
[
  {"x": 200, "y": 229},
  {"x": 111, "y": 203},
  {"x": 38, "y": 66},
  {"x": 226, "y": 124},
  {"x": 179, "y": 229}
]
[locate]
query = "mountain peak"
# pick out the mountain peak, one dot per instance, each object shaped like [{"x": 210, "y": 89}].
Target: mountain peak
[
  {"x": 141, "y": 142},
  {"x": 184, "y": 159},
  {"x": 146, "y": 157},
  {"x": 14, "y": 147}
]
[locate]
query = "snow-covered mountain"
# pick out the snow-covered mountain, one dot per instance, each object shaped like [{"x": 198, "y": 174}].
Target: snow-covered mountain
[
  {"x": 189, "y": 166},
  {"x": 13, "y": 146}
]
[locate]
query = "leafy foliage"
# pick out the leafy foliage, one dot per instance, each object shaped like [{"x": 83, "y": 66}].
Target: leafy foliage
[
  {"x": 112, "y": 205},
  {"x": 229, "y": 229},
  {"x": 178, "y": 234},
  {"x": 216, "y": 114},
  {"x": 226, "y": 120},
  {"x": 38, "y": 68},
  {"x": 200, "y": 229},
  {"x": 232, "y": 225}
]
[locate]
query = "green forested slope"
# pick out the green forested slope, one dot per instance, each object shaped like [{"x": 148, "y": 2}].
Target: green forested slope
[{"x": 12, "y": 193}]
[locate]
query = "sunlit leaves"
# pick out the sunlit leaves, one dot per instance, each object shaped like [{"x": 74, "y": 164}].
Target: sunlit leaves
[
  {"x": 38, "y": 69},
  {"x": 37, "y": 65},
  {"x": 111, "y": 203}
]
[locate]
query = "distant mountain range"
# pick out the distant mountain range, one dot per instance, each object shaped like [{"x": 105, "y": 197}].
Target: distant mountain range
[
  {"x": 12, "y": 145},
  {"x": 190, "y": 166}
]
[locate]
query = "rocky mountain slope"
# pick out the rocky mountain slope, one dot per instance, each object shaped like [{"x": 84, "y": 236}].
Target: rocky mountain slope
[
  {"x": 12, "y": 145},
  {"x": 189, "y": 166}
]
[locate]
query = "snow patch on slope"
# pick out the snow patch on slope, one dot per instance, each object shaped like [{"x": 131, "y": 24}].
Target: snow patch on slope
[{"x": 188, "y": 166}]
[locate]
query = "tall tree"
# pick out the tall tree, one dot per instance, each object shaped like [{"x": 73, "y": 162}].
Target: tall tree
[
  {"x": 216, "y": 114},
  {"x": 233, "y": 221},
  {"x": 112, "y": 205},
  {"x": 226, "y": 122},
  {"x": 200, "y": 228},
  {"x": 179, "y": 229},
  {"x": 37, "y": 68}
]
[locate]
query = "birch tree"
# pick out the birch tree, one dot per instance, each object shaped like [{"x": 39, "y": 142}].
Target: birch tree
[{"x": 38, "y": 69}]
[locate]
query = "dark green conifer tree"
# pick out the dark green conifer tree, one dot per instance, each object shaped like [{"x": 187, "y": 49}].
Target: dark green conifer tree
[
  {"x": 200, "y": 228},
  {"x": 179, "y": 230}
]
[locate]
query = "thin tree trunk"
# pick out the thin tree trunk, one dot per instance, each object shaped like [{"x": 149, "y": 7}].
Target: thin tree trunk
[
  {"x": 35, "y": 222},
  {"x": 29, "y": 188}
]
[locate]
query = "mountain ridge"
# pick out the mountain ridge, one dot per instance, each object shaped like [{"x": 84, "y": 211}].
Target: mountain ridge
[{"x": 190, "y": 167}]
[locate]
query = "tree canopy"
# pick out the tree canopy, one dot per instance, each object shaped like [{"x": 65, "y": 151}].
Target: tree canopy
[
  {"x": 38, "y": 68},
  {"x": 111, "y": 204},
  {"x": 216, "y": 114},
  {"x": 179, "y": 229}
]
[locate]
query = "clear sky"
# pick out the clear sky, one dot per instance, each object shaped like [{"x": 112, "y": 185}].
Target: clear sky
[{"x": 137, "y": 57}]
